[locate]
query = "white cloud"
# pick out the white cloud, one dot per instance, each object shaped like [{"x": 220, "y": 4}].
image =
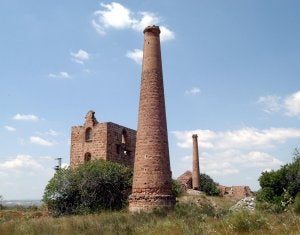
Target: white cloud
[
  {"x": 24, "y": 176},
  {"x": 289, "y": 105},
  {"x": 243, "y": 138},
  {"x": 270, "y": 103},
  {"x": 233, "y": 152},
  {"x": 193, "y": 91},
  {"x": 147, "y": 18},
  {"x": 10, "y": 128},
  {"x": 117, "y": 16},
  {"x": 213, "y": 164},
  {"x": 166, "y": 34},
  {"x": 21, "y": 162},
  {"x": 232, "y": 161},
  {"x": 114, "y": 15},
  {"x": 136, "y": 55},
  {"x": 40, "y": 141},
  {"x": 258, "y": 159},
  {"x": 292, "y": 104},
  {"x": 80, "y": 56},
  {"x": 25, "y": 117},
  {"x": 60, "y": 75},
  {"x": 52, "y": 133}
]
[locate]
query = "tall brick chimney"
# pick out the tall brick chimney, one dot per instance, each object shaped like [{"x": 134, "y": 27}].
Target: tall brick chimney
[
  {"x": 196, "y": 170},
  {"x": 152, "y": 178}
]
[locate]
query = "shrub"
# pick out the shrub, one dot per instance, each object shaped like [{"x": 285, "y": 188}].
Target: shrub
[
  {"x": 1, "y": 202},
  {"x": 93, "y": 186},
  {"x": 208, "y": 186},
  {"x": 297, "y": 204},
  {"x": 281, "y": 187},
  {"x": 188, "y": 209},
  {"x": 176, "y": 188},
  {"x": 246, "y": 221}
]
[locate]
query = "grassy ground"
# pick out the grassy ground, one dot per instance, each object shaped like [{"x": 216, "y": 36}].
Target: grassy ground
[{"x": 192, "y": 215}]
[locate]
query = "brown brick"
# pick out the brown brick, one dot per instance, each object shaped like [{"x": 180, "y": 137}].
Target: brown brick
[
  {"x": 196, "y": 169},
  {"x": 152, "y": 175},
  {"x": 108, "y": 141}
]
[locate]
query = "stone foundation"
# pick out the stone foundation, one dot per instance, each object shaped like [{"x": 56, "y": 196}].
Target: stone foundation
[{"x": 147, "y": 203}]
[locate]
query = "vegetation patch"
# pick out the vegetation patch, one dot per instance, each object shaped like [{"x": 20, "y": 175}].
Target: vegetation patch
[
  {"x": 279, "y": 188},
  {"x": 246, "y": 221},
  {"x": 92, "y": 187}
]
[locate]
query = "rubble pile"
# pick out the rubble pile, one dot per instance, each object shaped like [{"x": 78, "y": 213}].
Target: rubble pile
[{"x": 245, "y": 203}]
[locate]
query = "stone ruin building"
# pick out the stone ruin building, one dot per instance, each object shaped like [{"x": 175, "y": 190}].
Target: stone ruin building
[
  {"x": 106, "y": 141},
  {"x": 191, "y": 180},
  {"x": 236, "y": 192},
  {"x": 152, "y": 177},
  {"x": 186, "y": 180},
  {"x": 146, "y": 150}
]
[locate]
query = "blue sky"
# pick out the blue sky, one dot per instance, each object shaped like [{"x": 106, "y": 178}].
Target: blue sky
[{"x": 231, "y": 73}]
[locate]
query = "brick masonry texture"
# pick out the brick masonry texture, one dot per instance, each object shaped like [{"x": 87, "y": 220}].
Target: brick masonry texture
[
  {"x": 185, "y": 180},
  {"x": 237, "y": 192},
  {"x": 196, "y": 169},
  {"x": 107, "y": 141},
  {"x": 152, "y": 175}
]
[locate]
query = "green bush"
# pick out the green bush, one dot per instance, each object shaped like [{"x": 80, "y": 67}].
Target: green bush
[
  {"x": 93, "y": 186},
  {"x": 176, "y": 188},
  {"x": 208, "y": 186},
  {"x": 185, "y": 210},
  {"x": 280, "y": 187},
  {"x": 297, "y": 204},
  {"x": 246, "y": 221},
  {"x": 1, "y": 203}
]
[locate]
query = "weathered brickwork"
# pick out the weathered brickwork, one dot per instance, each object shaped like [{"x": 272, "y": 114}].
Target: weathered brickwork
[
  {"x": 152, "y": 174},
  {"x": 237, "y": 192},
  {"x": 196, "y": 169},
  {"x": 107, "y": 141},
  {"x": 185, "y": 180}
]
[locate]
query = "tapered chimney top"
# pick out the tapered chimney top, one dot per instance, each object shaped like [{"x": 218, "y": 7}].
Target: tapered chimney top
[{"x": 153, "y": 29}]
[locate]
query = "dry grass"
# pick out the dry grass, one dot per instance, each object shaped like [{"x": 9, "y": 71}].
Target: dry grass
[{"x": 189, "y": 217}]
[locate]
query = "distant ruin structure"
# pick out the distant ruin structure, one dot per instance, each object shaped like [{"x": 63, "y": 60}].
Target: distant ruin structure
[
  {"x": 196, "y": 168},
  {"x": 236, "y": 192},
  {"x": 185, "y": 180},
  {"x": 152, "y": 180},
  {"x": 106, "y": 141}
]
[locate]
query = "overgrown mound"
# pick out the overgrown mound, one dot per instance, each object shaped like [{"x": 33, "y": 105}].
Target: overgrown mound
[{"x": 93, "y": 186}]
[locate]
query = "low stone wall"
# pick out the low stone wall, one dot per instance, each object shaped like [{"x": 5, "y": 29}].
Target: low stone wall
[{"x": 237, "y": 192}]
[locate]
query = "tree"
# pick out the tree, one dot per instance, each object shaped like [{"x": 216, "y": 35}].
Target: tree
[
  {"x": 1, "y": 202},
  {"x": 93, "y": 186},
  {"x": 208, "y": 186},
  {"x": 280, "y": 186}
]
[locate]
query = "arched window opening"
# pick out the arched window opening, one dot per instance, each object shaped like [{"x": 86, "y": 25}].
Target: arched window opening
[
  {"x": 87, "y": 157},
  {"x": 88, "y": 134},
  {"x": 124, "y": 143},
  {"x": 124, "y": 136}
]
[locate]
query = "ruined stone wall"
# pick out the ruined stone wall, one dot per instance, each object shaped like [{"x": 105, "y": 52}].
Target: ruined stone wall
[
  {"x": 186, "y": 180},
  {"x": 97, "y": 146},
  {"x": 120, "y": 144},
  {"x": 107, "y": 141},
  {"x": 237, "y": 192}
]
